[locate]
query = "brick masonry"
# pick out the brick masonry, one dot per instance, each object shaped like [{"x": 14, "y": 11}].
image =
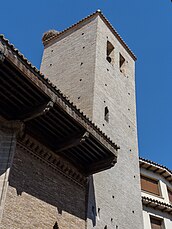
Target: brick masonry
[
  {"x": 39, "y": 196},
  {"x": 8, "y": 132},
  {"x": 76, "y": 63}
]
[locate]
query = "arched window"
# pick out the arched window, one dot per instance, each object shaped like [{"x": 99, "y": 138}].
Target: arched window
[{"x": 106, "y": 114}]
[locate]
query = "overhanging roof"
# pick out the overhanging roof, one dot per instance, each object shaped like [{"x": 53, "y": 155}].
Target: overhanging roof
[
  {"x": 155, "y": 204},
  {"x": 26, "y": 95},
  {"x": 156, "y": 168}
]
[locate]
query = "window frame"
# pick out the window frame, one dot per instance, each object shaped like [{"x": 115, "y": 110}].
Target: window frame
[
  {"x": 169, "y": 190},
  {"x": 151, "y": 179},
  {"x": 161, "y": 220}
]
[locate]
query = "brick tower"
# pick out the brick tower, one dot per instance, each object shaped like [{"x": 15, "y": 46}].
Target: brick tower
[{"x": 95, "y": 69}]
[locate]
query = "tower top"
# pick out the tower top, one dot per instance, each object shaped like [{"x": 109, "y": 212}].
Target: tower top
[{"x": 50, "y": 36}]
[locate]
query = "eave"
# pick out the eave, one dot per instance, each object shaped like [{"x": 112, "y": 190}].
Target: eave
[
  {"x": 156, "y": 168},
  {"x": 26, "y": 95},
  {"x": 158, "y": 205}
]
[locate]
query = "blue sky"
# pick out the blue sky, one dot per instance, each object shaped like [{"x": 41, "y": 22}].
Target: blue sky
[{"x": 146, "y": 26}]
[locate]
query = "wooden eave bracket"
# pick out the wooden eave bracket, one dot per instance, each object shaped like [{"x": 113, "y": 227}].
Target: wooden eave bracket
[
  {"x": 72, "y": 141},
  {"x": 40, "y": 110},
  {"x": 102, "y": 165}
]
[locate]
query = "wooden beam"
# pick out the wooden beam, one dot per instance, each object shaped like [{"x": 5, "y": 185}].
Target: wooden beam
[
  {"x": 72, "y": 141},
  {"x": 102, "y": 165},
  {"x": 155, "y": 170},
  {"x": 40, "y": 110}
]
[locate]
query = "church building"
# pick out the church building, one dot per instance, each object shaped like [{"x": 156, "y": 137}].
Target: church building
[{"x": 68, "y": 134}]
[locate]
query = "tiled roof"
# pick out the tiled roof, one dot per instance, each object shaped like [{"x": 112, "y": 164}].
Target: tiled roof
[
  {"x": 156, "y": 168},
  {"x": 51, "y": 86},
  {"x": 49, "y": 37},
  {"x": 149, "y": 202}
]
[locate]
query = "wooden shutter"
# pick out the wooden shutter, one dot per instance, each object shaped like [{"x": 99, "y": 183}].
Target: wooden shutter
[
  {"x": 149, "y": 185},
  {"x": 170, "y": 195},
  {"x": 156, "y": 223}
]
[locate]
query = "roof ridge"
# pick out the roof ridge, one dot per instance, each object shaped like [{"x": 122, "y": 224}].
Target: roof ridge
[{"x": 98, "y": 12}]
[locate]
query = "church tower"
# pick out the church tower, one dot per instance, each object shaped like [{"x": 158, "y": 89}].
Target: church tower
[{"x": 95, "y": 69}]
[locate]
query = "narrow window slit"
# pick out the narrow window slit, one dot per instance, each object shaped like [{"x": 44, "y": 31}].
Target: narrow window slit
[{"x": 106, "y": 114}]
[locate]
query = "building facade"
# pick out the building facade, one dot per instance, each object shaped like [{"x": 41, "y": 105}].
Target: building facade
[
  {"x": 59, "y": 165},
  {"x": 48, "y": 149},
  {"x": 156, "y": 185},
  {"x": 95, "y": 69}
]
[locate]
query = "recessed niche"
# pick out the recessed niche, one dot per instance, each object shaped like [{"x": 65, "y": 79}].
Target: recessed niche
[
  {"x": 110, "y": 53},
  {"x": 106, "y": 114},
  {"x": 121, "y": 62}
]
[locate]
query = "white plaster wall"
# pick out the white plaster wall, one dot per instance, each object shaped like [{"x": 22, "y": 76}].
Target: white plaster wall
[{"x": 163, "y": 184}]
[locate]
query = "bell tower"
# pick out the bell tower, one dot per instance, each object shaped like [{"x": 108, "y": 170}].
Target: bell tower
[{"x": 95, "y": 69}]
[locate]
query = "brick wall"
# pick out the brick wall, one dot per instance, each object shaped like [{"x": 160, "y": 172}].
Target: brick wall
[
  {"x": 39, "y": 196},
  {"x": 115, "y": 193}
]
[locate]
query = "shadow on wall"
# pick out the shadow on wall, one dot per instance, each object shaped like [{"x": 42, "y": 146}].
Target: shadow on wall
[
  {"x": 92, "y": 208},
  {"x": 31, "y": 176}
]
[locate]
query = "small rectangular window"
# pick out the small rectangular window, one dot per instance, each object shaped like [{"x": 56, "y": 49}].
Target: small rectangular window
[
  {"x": 170, "y": 195},
  {"x": 156, "y": 223},
  {"x": 110, "y": 53},
  {"x": 150, "y": 185}
]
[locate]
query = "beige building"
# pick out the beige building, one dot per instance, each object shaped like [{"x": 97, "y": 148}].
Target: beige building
[
  {"x": 156, "y": 186},
  {"x": 68, "y": 136},
  {"x": 91, "y": 64}
]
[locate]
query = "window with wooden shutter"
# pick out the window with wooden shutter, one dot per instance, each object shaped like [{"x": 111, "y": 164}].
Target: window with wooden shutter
[
  {"x": 150, "y": 185},
  {"x": 170, "y": 195},
  {"x": 156, "y": 223}
]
